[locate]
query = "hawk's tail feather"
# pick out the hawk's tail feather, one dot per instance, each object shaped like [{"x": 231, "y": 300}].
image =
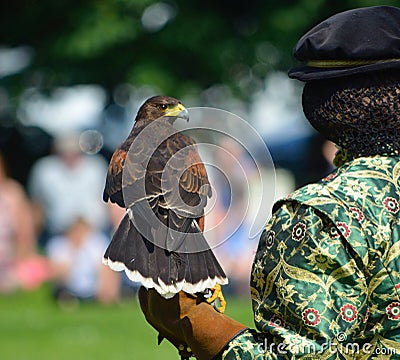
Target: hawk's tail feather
[{"x": 154, "y": 267}]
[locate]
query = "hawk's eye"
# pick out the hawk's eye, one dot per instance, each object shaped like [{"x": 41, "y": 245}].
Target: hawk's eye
[{"x": 163, "y": 107}]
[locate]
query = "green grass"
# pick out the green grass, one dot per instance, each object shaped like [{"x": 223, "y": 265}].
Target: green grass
[{"x": 33, "y": 327}]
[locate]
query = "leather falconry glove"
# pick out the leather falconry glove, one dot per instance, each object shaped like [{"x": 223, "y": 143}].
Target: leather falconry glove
[{"x": 189, "y": 321}]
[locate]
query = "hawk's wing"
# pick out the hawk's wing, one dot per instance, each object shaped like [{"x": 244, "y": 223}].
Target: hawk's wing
[
  {"x": 113, "y": 187},
  {"x": 125, "y": 168},
  {"x": 185, "y": 188},
  {"x": 184, "y": 174}
]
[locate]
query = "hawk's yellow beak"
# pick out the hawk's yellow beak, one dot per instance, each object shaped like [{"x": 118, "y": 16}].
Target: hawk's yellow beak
[{"x": 178, "y": 111}]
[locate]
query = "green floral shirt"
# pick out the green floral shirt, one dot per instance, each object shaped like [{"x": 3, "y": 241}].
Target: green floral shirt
[{"x": 326, "y": 277}]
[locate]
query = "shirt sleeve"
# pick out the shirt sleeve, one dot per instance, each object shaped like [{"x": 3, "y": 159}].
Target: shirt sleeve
[{"x": 309, "y": 296}]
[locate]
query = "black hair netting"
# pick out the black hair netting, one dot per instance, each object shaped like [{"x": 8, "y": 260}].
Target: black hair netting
[{"x": 360, "y": 113}]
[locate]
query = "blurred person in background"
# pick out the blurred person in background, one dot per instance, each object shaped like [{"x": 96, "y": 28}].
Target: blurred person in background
[
  {"x": 76, "y": 269},
  {"x": 236, "y": 192},
  {"x": 69, "y": 185},
  {"x": 232, "y": 194},
  {"x": 20, "y": 265},
  {"x": 66, "y": 185}
]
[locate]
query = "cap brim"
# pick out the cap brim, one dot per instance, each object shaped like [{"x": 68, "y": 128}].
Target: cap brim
[{"x": 307, "y": 73}]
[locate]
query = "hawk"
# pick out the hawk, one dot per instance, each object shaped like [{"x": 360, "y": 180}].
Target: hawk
[{"x": 157, "y": 175}]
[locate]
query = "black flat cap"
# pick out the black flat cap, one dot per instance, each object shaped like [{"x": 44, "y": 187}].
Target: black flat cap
[{"x": 352, "y": 42}]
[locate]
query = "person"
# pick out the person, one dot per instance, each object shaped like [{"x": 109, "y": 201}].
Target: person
[
  {"x": 76, "y": 271},
  {"x": 325, "y": 280},
  {"x": 65, "y": 185},
  {"x": 21, "y": 267}
]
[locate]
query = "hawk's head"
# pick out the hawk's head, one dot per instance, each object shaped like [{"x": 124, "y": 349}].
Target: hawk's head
[{"x": 162, "y": 106}]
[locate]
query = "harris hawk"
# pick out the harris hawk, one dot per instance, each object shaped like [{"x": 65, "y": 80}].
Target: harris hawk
[{"x": 167, "y": 177}]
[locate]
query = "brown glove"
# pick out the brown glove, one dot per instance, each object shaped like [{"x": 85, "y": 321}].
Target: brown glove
[
  {"x": 188, "y": 320},
  {"x": 163, "y": 315}
]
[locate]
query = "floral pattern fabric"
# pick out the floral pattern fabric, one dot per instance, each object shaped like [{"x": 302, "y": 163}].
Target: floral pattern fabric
[{"x": 326, "y": 277}]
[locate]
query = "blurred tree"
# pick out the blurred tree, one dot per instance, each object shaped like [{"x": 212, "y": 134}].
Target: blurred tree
[{"x": 176, "y": 46}]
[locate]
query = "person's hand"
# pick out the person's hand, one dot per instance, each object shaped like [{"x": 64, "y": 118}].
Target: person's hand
[{"x": 188, "y": 321}]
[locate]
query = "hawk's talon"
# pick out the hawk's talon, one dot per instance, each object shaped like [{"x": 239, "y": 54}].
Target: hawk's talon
[{"x": 217, "y": 294}]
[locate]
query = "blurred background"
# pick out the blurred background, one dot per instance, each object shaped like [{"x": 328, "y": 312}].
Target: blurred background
[{"x": 72, "y": 76}]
